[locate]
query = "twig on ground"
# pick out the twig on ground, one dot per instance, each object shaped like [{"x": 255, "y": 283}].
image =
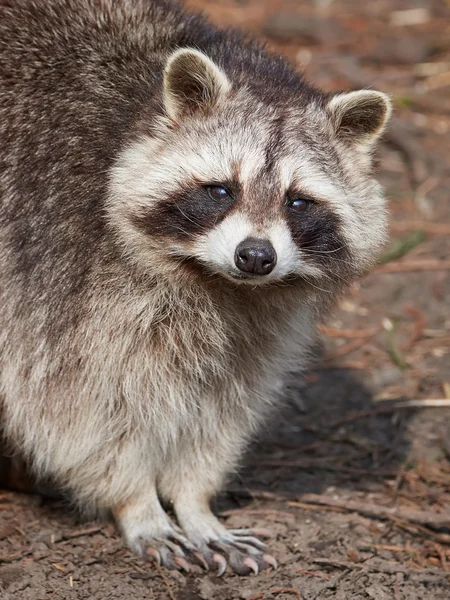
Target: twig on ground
[
  {"x": 165, "y": 580},
  {"x": 264, "y": 512},
  {"x": 388, "y": 548},
  {"x": 313, "y": 573},
  {"x": 59, "y": 567},
  {"x": 382, "y": 567},
  {"x": 442, "y": 556},
  {"x": 141, "y": 574},
  {"x": 391, "y": 407},
  {"x": 346, "y": 349},
  {"x": 416, "y": 529},
  {"x": 308, "y": 506},
  {"x": 7, "y": 558},
  {"x": 259, "y": 494},
  {"x": 427, "y": 518},
  {"x": 425, "y": 403},
  {"x": 81, "y": 533},
  {"x": 286, "y": 591}
]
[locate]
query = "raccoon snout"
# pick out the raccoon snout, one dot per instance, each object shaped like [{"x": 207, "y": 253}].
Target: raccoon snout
[{"x": 255, "y": 256}]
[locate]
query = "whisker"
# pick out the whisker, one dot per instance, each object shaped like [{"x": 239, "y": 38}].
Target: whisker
[
  {"x": 196, "y": 223},
  {"x": 318, "y": 288},
  {"x": 325, "y": 251}
]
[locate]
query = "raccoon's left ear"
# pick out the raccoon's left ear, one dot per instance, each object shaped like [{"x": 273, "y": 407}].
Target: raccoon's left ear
[
  {"x": 360, "y": 117},
  {"x": 192, "y": 82}
]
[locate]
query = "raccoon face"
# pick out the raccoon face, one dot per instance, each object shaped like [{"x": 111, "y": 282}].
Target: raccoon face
[{"x": 255, "y": 190}]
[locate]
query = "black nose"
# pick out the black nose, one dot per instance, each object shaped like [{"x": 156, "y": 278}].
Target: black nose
[{"x": 255, "y": 256}]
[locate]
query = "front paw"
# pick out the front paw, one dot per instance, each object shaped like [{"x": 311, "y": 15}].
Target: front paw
[
  {"x": 152, "y": 535},
  {"x": 171, "y": 550},
  {"x": 241, "y": 549}
]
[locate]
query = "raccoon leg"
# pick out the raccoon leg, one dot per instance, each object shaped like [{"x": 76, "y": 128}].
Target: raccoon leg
[
  {"x": 190, "y": 482},
  {"x": 188, "y": 478},
  {"x": 149, "y": 531}
]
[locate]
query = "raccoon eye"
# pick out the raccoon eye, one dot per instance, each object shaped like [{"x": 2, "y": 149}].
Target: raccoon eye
[
  {"x": 300, "y": 204},
  {"x": 218, "y": 192}
]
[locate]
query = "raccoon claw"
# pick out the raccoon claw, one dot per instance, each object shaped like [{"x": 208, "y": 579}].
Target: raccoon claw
[
  {"x": 153, "y": 555},
  {"x": 251, "y": 564},
  {"x": 202, "y": 562},
  {"x": 221, "y": 564},
  {"x": 182, "y": 563},
  {"x": 270, "y": 560},
  {"x": 245, "y": 565},
  {"x": 165, "y": 558},
  {"x": 242, "y": 551},
  {"x": 172, "y": 552}
]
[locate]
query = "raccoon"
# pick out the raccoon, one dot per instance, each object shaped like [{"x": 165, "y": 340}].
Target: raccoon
[{"x": 179, "y": 208}]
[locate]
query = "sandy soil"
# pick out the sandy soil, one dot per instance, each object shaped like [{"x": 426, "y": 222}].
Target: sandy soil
[{"x": 354, "y": 488}]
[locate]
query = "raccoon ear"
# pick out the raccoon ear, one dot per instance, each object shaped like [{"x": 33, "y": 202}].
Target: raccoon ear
[
  {"x": 360, "y": 117},
  {"x": 192, "y": 82}
]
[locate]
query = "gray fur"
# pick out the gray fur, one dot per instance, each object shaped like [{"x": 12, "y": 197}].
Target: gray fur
[{"x": 134, "y": 367}]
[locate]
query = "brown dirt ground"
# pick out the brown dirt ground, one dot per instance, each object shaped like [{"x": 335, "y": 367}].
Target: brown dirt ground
[{"x": 355, "y": 491}]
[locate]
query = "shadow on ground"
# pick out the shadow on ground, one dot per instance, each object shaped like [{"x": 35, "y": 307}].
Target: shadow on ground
[{"x": 330, "y": 433}]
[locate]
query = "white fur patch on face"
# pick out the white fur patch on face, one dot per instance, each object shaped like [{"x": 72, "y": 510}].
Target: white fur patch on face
[
  {"x": 218, "y": 247},
  {"x": 289, "y": 257}
]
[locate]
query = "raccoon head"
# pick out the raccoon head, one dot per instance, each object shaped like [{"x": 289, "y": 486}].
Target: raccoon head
[{"x": 250, "y": 181}]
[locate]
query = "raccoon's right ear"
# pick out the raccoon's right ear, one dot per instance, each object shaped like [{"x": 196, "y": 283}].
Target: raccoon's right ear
[
  {"x": 360, "y": 117},
  {"x": 192, "y": 82}
]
